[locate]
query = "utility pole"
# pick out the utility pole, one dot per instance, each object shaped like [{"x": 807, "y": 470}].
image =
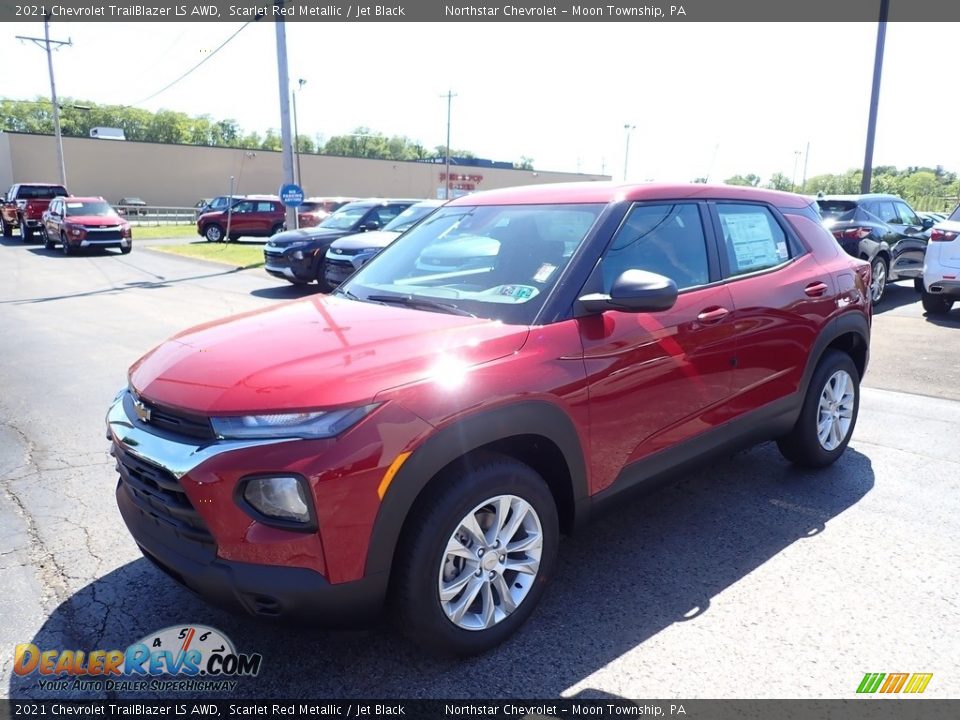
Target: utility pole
[
  {"x": 446, "y": 176},
  {"x": 45, "y": 42},
  {"x": 874, "y": 97},
  {"x": 626, "y": 153},
  {"x": 286, "y": 145},
  {"x": 296, "y": 132},
  {"x": 793, "y": 178}
]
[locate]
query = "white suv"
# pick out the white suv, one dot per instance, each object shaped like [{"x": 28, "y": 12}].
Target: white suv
[{"x": 941, "y": 266}]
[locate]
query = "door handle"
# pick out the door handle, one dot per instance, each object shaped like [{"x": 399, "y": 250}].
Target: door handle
[
  {"x": 713, "y": 316},
  {"x": 816, "y": 289}
]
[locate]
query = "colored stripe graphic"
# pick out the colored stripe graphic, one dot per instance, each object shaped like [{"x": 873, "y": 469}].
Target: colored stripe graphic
[
  {"x": 918, "y": 683},
  {"x": 894, "y": 683},
  {"x": 870, "y": 682}
]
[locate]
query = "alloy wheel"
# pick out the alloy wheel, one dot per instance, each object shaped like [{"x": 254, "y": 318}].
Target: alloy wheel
[
  {"x": 879, "y": 280},
  {"x": 835, "y": 410},
  {"x": 490, "y": 562}
]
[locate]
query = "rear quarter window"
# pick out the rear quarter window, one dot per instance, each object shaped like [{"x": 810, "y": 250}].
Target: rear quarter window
[{"x": 753, "y": 238}]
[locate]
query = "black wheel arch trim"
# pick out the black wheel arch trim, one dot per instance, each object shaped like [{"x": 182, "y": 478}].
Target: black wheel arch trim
[
  {"x": 848, "y": 323},
  {"x": 530, "y": 417}
]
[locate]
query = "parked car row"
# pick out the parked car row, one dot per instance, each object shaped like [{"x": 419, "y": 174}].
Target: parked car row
[
  {"x": 881, "y": 229},
  {"x": 941, "y": 266},
  {"x": 73, "y": 223},
  {"x": 298, "y": 256}
]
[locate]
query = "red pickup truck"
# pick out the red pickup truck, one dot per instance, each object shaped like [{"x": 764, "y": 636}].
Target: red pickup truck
[{"x": 23, "y": 207}]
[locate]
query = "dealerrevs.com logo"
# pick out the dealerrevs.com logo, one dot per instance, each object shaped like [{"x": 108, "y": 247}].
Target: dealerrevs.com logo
[{"x": 188, "y": 658}]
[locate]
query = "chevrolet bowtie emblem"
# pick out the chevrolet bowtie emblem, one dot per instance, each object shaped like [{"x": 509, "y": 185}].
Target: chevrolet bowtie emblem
[{"x": 142, "y": 411}]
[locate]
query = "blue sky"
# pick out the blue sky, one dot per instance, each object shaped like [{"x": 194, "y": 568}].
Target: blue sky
[{"x": 705, "y": 98}]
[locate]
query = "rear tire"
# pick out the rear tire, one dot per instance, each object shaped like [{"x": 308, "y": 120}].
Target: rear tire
[
  {"x": 918, "y": 284},
  {"x": 278, "y": 228},
  {"x": 126, "y": 250},
  {"x": 5, "y": 228},
  {"x": 935, "y": 304},
  {"x": 828, "y": 416},
  {"x": 439, "y": 599},
  {"x": 25, "y": 233}
]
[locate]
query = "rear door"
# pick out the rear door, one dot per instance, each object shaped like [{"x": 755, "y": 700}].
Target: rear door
[
  {"x": 911, "y": 244},
  {"x": 780, "y": 296}
]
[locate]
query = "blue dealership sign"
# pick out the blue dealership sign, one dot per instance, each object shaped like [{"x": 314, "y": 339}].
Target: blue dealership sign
[{"x": 291, "y": 195}]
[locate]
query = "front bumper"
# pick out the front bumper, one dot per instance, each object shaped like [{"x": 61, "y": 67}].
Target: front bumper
[
  {"x": 175, "y": 537},
  {"x": 121, "y": 243},
  {"x": 284, "y": 265}
]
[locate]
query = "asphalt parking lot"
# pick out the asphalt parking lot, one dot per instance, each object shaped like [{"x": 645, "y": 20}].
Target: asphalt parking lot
[{"x": 748, "y": 579}]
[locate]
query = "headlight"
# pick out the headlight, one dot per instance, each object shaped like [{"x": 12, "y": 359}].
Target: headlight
[
  {"x": 297, "y": 255},
  {"x": 282, "y": 498},
  {"x": 76, "y": 232},
  {"x": 310, "y": 425}
]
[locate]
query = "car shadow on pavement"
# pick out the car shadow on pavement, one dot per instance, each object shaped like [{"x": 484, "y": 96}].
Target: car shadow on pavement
[
  {"x": 951, "y": 319},
  {"x": 654, "y": 562},
  {"x": 897, "y": 295},
  {"x": 287, "y": 292}
]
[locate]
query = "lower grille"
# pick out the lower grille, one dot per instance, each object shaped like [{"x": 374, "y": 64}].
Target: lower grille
[
  {"x": 158, "y": 493},
  {"x": 106, "y": 234}
]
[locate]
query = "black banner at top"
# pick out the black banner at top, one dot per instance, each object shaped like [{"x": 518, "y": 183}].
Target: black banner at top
[{"x": 480, "y": 11}]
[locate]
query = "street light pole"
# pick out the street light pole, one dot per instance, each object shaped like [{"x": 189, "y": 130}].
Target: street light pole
[
  {"x": 446, "y": 176},
  {"x": 793, "y": 178},
  {"x": 626, "y": 153},
  {"x": 874, "y": 98},
  {"x": 46, "y": 43}
]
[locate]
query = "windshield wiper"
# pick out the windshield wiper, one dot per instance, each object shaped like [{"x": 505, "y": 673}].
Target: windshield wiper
[{"x": 416, "y": 302}]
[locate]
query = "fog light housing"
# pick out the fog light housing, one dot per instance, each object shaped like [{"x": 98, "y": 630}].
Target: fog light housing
[{"x": 279, "y": 500}]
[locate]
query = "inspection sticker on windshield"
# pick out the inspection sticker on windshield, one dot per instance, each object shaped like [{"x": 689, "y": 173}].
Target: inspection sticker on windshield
[
  {"x": 518, "y": 292},
  {"x": 544, "y": 273}
]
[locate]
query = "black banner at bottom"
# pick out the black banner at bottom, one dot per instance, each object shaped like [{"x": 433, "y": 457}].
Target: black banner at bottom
[{"x": 854, "y": 709}]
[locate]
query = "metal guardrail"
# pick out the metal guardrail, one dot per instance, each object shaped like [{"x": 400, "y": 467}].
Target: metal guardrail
[{"x": 146, "y": 215}]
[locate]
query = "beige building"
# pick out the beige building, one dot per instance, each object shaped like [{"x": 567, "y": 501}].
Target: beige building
[{"x": 180, "y": 175}]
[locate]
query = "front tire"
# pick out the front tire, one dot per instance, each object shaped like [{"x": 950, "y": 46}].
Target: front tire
[
  {"x": 878, "y": 279},
  {"x": 213, "y": 233},
  {"x": 48, "y": 242},
  {"x": 65, "y": 246},
  {"x": 475, "y": 556},
  {"x": 935, "y": 304},
  {"x": 828, "y": 416}
]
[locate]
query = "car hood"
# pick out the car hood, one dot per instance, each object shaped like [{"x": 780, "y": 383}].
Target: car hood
[
  {"x": 313, "y": 353},
  {"x": 374, "y": 239},
  {"x": 94, "y": 221},
  {"x": 289, "y": 237}
]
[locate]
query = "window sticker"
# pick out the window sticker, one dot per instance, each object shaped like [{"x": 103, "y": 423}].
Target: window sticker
[
  {"x": 74, "y": 205},
  {"x": 518, "y": 292},
  {"x": 753, "y": 246},
  {"x": 544, "y": 273}
]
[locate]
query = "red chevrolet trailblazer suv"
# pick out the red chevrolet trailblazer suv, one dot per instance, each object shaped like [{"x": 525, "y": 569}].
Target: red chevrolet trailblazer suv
[
  {"x": 424, "y": 436},
  {"x": 253, "y": 216}
]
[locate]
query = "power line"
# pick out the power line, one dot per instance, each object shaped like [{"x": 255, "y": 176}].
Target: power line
[{"x": 219, "y": 48}]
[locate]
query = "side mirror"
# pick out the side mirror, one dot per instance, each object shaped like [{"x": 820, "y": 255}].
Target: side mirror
[
  {"x": 926, "y": 223},
  {"x": 370, "y": 225},
  {"x": 634, "y": 291}
]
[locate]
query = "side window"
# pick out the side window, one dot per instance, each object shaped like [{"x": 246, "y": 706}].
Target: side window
[
  {"x": 665, "y": 239},
  {"x": 886, "y": 212},
  {"x": 243, "y": 207},
  {"x": 907, "y": 216},
  {"x": 389, "y": 212},
  {"x": 265, "y": 207},
  {"x": 752, "y": 237}
]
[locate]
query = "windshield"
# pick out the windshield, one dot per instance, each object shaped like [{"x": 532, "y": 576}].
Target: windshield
[
  {"x": 955, "y": 215},
  {"x": 345, "y": 218},
  {"x": 498, "y": 262},
  {"x": 90, "y": 207},
  {"x": 409, "y": 217}
]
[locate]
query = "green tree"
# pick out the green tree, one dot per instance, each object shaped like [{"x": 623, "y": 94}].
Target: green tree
[
  {"x": 779, "y": 181},
  {"x": 750, "y": 180}
]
